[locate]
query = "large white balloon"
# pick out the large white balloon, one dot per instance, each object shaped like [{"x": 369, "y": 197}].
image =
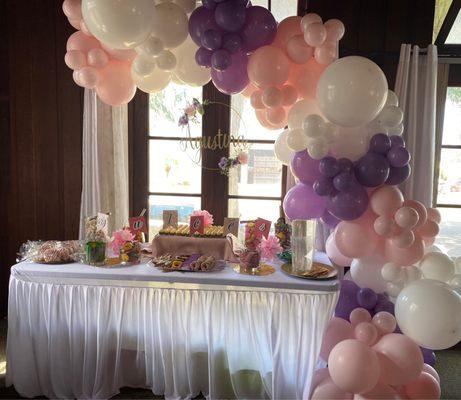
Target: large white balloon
[
  {"x": 429, "y": 312},
  {"x": 187, "y": 70},
  {"x": 351, "y": 143},
  {"x": 281, "y": 149},
  {"x": 120, "y": 24},
  {"x": 300, "y": 111},
  {"x": 352, "y": 91},
  {"x": 437, "y": 266},
  {"x": 170, "y": 24},
  {"x": 156, "y": 81},
  {"x": 366, "y": 272}
]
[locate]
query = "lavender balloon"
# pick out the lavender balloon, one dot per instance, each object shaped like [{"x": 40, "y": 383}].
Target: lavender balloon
[
  {"x": 397, "y": 141},
  {"x": 323, "y": 187},
  {"x": 344, "y": 182},
  {"x": 385, "y": 306},
  {"x": 235, "y": 78},
  {"x": 380, "y": 143},
  {"x": 349, "y": 205},
  {"x": 347, "y": 299},
  {"x": 367, "y": 298},
  {"x": 345, "y": 165},
  {"x": 398, "y": 175},
  {"x": 372, "y": 170},
  {"x": 221, "y": 60},
  {"x": 211, "y": 39},
  {"x": 302, "y": 203},
  {"x": 329, "y": 166},
  {"x": 259, "y": 29},
  {"x": 305, "y": 168},
  {"x": 203, "y": 57},
  {"x": 232, "y": 42},
  {"x": 398, "y": 156},
  {"x": 330, "y": 220},
  {"x": 230, "y": 15},
  {"x": 201, "y": 20},
  {"x": 429, "y": 356}
]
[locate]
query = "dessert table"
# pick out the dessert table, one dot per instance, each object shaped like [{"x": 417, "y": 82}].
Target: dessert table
[{"x": 76, "y": 331}]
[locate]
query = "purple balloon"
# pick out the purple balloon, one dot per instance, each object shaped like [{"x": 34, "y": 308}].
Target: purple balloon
[
  {"x": 329, "y": 166},
  {"x": 235, "y": 78},
  {"x": 259, "y": 29},
  {"x": 200, "y": 21},
  {"x": 221, "y": 60},
  {"x": 323, "y": 187},
  {"x": 305, "y": 168},
  {"x": 347, "y": 299},
  {"x": 398, "y": 156},
  {"x": 367, "y": 298},
  {"x": 398, "y": 175},
  {"x": 330, "y": 220},
  {"x": 349, "y": 205},
  {"x": 429, "y": 356},
  {"x": 380, "y": 143},
  {"x": 211, "y": 39},
  {"x": 385, "y": 306},
  {"x": 302, "y": 203},
  {"x": 372, "y": 170},
  {"x": 203, "y": 57},
  {"x": 397, "y": 141},
  {"x": 344, "y": 181},
  {"x": 210, "y": 4},
  {"x": 232, "y": 42},
  {"x": 230, "y": 15},
  {"x": 345, "y": 165}
]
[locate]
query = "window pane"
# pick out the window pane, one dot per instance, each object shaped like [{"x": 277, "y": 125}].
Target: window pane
[
  {"x": 262, "y": 176},
  {"x": 454, "y": 37},
  {"x": 173, "y": 170},
  {"x": 449, "y": 237},
  {"x": 167, "y": 106},
  {"x": 184, "y": 205},
  {"x": 452, "y": 118},
  {"x": 247, "y": 209},
  {"x": 449, "y": 190},
  {"x": 282, "y": 9}
]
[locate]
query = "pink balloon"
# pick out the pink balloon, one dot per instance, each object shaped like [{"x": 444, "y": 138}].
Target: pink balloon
[
  {"x": 335, "y": 30},
  {"x": 386, "y": 200},
  {"x": 334, "y": 254},
  {"x": 404, "y": 256},
  {"x": 287, "y": 28},
  {"x": 366, "y": 333},
  {"x": 298, "y": 50},
  {"x": 306, "y": 77},
  {"x": 353, "y": 366},
  {"x": 72, "y": 9},
  {"x": 75, "y": 59},
  {"x": 425, "y": 386},
  {"x": 75, "y": 76},
  {"x": 359, "y": 315},
  {"x": 384, "y": 226},
  {"x": 261, "y": 117},
  {"x": 89, "y": 77},
  {"x": 434, "y": 215},
  {"x": 431, "y": 371},
  {"x": 120, "y": 55},
  {"x": 116, "y": 86},
  {"x": 290, "y": 95},
  {"x": 319, "y": 376},
  {"x": 97, "y": 58},
  {"x": 327, "y": 390},
  {"x": 268, "y": 66},
  {"x": 406, "y": 217},
  {"x": 420, "y": 209},
  {"x": 326, "y": 53},
  {"x": 272, "y": 97},
  {"x": 276, "y": 116},
  {"x": 428, "y": 241},
  {"x": 79, "y": 41},
  {"x": 315, "y": 34},
  {"x": 308, "y": 19},
  {"x": 355, "y": 240},
  {"x": 400, "y": 359},
  {"x": 385, "y": 322},
  {"x": 380, "y": 391},
  {"x": 256, "y": 100},
  {"x": 84, "y": 28},
  {"x": 248, "y": 91},
  {"x": 337, "y": 330},
  {"x": 76, "y": 23},
  {"x": 403, "y": 239},
  {"x": 429, "y": 229}
]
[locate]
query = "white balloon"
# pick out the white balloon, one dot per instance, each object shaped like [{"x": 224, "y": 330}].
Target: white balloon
[
  {"x": 392, "y": 99},
  {"x": 392, "y": 273},
  {"x": 458, "y": 265},
  {"x": 187, "y": 70},
  {"x": 187, "y": 5},
  {"x": 433, "y": 248},
  {"x": 412, "y": 273},
  {"x": 151, "y": 47},
  {"x": 390, "y": 116},
  {"x": 437, "y": 266},
  {"x": 352, "y": 91},
  {"x": 152, "y": 83},
  {"x": 314, "y": 126},
  {"x": 143, "y": 65},
  {"x": 120, "y": 24},
  {"x": 351, "y": 143},
  {"x": 317, "y": 148},
  {"x": 300, "y": 110},
  {"x": 170, "y": 24},
  {"x": 281, "y": 149},
  {"x": 366, "y": 272},
  {"x": 455, "y": 282},
  {"x": 429, "y": 312},
  {"x": 393, "y": 289},
  {"x": 297, "y": 140},
  {"x": 166, "y": 61}
]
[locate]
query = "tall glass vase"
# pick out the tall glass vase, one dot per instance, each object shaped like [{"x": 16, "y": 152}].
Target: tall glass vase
[{"x": 303, "y": 245}]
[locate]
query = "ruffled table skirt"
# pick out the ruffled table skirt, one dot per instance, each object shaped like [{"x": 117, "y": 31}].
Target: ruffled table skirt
[{"x": 87, "y": 341}]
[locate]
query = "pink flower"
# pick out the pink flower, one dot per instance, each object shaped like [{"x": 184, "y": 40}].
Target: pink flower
[
  {"x": 243, "y": 158},
  {"x": 208, "y": 218},
  {"x": 190, "y": 111},
  {"x": 119, "y": 238},
  {"x": 270, "y": 247}
]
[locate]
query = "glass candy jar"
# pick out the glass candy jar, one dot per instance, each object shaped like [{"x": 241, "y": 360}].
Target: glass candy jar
[
  {"x": 95, "y": 252},
  {"x": 130, "y": 253}
]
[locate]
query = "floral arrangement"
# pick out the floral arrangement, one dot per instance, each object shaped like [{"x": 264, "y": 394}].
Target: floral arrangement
[
  {"x": 208, "y": 218},
  {"x": 226, "y": 164},
  {"x": 270, "y": 247},
  {"x": 119, "y": 239},
  {"x": 192, "y": 111},
  {"x": 93, "y": 233}
]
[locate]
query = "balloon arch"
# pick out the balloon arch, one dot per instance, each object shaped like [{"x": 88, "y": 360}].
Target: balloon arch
[{"x": 342, "y": 140}]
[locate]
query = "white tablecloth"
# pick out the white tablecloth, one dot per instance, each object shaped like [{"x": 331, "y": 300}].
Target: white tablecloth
[{"x": 84, "y": 332}]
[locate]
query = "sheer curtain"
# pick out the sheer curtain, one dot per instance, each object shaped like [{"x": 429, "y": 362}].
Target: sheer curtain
[
  {"x": 105, "y": 161},
  {"x": 415, "y": 86}
]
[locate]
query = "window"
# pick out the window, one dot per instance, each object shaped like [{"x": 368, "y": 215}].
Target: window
[{"x": 448, "y": 196}]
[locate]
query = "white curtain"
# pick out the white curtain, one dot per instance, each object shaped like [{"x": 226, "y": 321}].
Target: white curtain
[
  {"x": 105, "y": 186},
  {"x": 415, "y": 86}
]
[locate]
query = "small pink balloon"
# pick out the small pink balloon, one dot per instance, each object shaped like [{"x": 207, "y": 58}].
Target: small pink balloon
[
  {"x": 286, "y": 29},
  {"x": 76, "y": 23},
  {"x": 116, "y": 86},
  {"x": 335, "y": 30},
  {"x": 400, "y": 359},
  {"x": 429, "y": 229},
  {"x": 120, "y": 55},
  {"x": 434, "y": 215},
  {"x": 354, "y": 366},
  {"x": 76, "y": 78},
  {"x": 425, "y": 386},
  {"x": 406, "y": 217},
  {"x": 256, "y": 100},
  {"x": 327, "y": 390},
  {"x": 298, "y": 50},
  {"x": 306, "y": 77},
  {"x": 431, "y": 371},
  {"x": 404, "y": 256},
  {"x": 384, "y": 226},
  {"x": 247, "y": 92},
  {"x": 326, "y": 53},
  {"x": 385, "y": 322},
  {"x": 89, "y": 77},
  {"x": 308, "y": 19},
  {"x": 79, "y": 41},
  {"x": 334, "y": 254},
  {"x": 290, "y": 95},
  {"x": 420, "y": 209},
  {"x": 272, "y": 97},
  {"x": 337, "y": 330},
  {"x": 261, "y": 117},
  {"x": 315, "y": 34},
  {"x": 428, "y": 241},
  {"x": 366, "y": 333},
  {"x": 404, "y": 239},
  {"x": 75, "y": 59},
  {"x": 72, "y": 9},
  {"x": 380, "y": 391},
  {"x": 97, "y": 58},
  {"x": 268, "y": 66},
  {"x": 276, "y": 116},
  {"x": 355, "y": 239},
  {"x": 386, "y": 200},
  {"x": 359, "y": 315}
]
